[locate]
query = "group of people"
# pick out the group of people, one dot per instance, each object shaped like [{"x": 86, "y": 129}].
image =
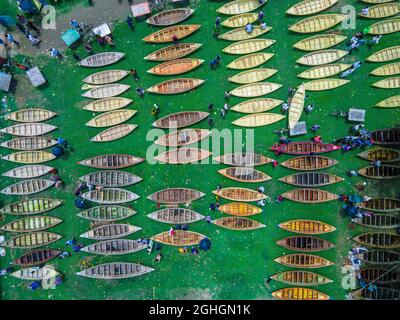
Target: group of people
[
  {"x": 359, "y": 137},
  {"x": 28, "y": 27}
]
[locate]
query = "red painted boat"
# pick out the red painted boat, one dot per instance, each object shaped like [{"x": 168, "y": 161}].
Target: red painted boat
[{"x": 304, "y": 148}]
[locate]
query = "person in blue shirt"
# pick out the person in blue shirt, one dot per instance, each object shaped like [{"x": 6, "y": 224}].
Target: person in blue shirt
[
  {"x": 129, "y": 22},
  {"x": 11, "y": 39}
]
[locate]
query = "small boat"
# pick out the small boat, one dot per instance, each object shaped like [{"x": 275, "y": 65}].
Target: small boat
[
  {"x": 35, "y": 274},
  {"x": 251, "y": 60},
  {"x": 388, "y": 83},
  {"x": 308, "y": 7},
  {"x": 324, "y": 71},
  {"x": 32, "y": 240},
  {"x": 30, "y": 115},
  {"x": 385, "y": 27},
  {"x": 305, "y": 243},
  {"x": 257, "y": 105},
  {"x": 114, "y": 247},
  {"x": 379, "y": 257},
  {"x": 319, "y": 42},
  {"x": 303, "y": 260},
  {"x": 381, "y": 221},
  {"x": 183, "y": 156},
  {"x": 239, "y": 194},
  {"x": 175, "y": 196},
  {"x": 29, "y": 129},
  {"x": 307, "y": 226},
  {"x": 251, "y": 76},
  {"x": 385, "y": 155},
  {"x": 36, "y": 257},
  {"x": 111, "y": 178},
  {"x": 317, "y": 23},
  {"x": 107, "y": 104},
  {"x": 248, "y": 46},
  {"x": 240, "y": 20},
  {"x": 392, "y": 102},
  {"x": 389, "y": 69},
  {"x": 244, "y": 174},
  {"x": 243, "y": 159},
  {"x": 239, "y": 209},
  {"x": 321, "y": 57},
  {"x": 385, "y": 55},
  {"x": 180, "y": 238},
  {"x": 309, "y": 195},
  {"x": 175, "y": 67},
  {"x": 299, "y": 294},
  {"x": 182, "y": 137},
  {"x": 255, "y": 89},
  {"x": 240, "y": 6},
  {"x": 301, "y": 278},
  {"x": 111, "y": 161},
  {"x": 376, "y": 1},
  {"x": 304, "y": 148},
  {"x": 29, "y": 157},
  {"x": 166, "y": 34},
  {"x": 31, "y": 224},
  {"x": 380, "y": 293},
  {"x": 111, "y": 118},
  {"x": 240, "y": 34},
  {"x": 238, "y": 223},
  {"x": 29, "y": 143},
  {"x": 106, "y": 91},
  {"x": 308, "y": 163},
  {"x": 110, "y": 196},
  {"x": 114, "y": 133},
  {"x": 107, "y": 213},
  {"x": 176, "y": 216},
  {"x": 384, "y": 171},
  {"x": 380, "y": 240},
  {"x": 31, "y": 206},
  {"x": 296, "y": 106},
  {"x": 28, "y": 187},
  {"x": 180, "y": 119},
  {"x": 380, "y": 276},
  {"x": 389, "y": 136},
  {"x": 258, "y": 119},
  {"x": 311, "y": 179},
  {"x": 101, "y": 59},
  {"x": 176, "y": 86},
  {"x": 115, "y": 271},
  {"x": 106, "y": 77},
  {"x": 28, "y": 172},
  {"x": 110, "y": 231},
  {"x": 173, "y": 52},
  {"x": 384, "y": 205},
  {"x": 170, "y": 17}
]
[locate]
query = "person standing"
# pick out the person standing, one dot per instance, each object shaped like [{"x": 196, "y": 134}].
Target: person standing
[
  {"x": 129, "y": 22},
  {"x": 11, "y": 39},
  {"x": 134, "y": 74}
]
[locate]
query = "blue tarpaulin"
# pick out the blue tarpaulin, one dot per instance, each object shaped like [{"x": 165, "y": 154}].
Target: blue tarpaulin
[
  {"x": 7, "y": 21},
  {"x": 70, "y": 36},
  {"x": 27, "y": 6}
]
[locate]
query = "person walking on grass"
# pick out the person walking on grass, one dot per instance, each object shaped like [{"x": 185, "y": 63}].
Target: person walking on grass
[
  {"x": 129, "y": 22},
  {"x": 55, "y": 53},
  {"x": 11, "y": 40},
  {"x": 134, "y": 74}
]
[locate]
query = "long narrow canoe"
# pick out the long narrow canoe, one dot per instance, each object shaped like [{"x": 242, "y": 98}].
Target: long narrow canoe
[
  {"x": 255, "y": 89},
  {"x": 110, "y": 196},
  {"x": 176, "y": 216},
  {"x": 31, "y": 224},
  {"x": 299, "y": 293},
  {"x": 325, "y": 84},
  {"x": 389, "y": 69},
  {"x": 240, "y": 6},
  {"x": 180, "y": 238},
  {"x": 380, "y": 257},
  {"x": 166, "y": 35},
  {"x": 251, "y": 60},
  {"x": 256, "y": 105},
  {"x": 175, "y": 67},
  {"x": 303, "y": 260},
  {"x": 111, "y": 118},
  {"x": 248, "y": 46},
  {"x": 180, "y": 119},
  {"x": 240, "y": 20},
  {"x": 239, "y": 194},
  {"x": 383, "y": 172},
  {"x": 380, "y": 293},
  {"x": 243, "y": 159},
  {"x": 175, "y": 86},
  {"x": 36, "y": 257},
  {"x": 387, "y": 137},
  {"x": 385, "y": 27},
  {"x": 111, "y": 161},
  {"x": 32, "y": 240},
  {"x": 304, "y": 148},
  {"x": 114, "y": 133},
  {"x": 380, "y": 275},
  {"x": 175, "y": 196},
  {"x": 28, "y": 172},
  {"x": 308, "y": 163},
  {"x": 385, "y": 55},
  {"x": 319, "y": 42},
  {"x": 106, "y": 77},
  {"x": 173, "y": 52},
  {"x": 384, "y": 205},
  {"x": 114, "y": 247},
  {"x": 305, "y": 243},
  {"x": 183, "y": 156},
  {"x": 31, "y": 206},
  {"x": 239, "y": 209},
  {"x": 309, "y": 195},
  {"x": 27, "y": 187},
  {"x": 29, "y": 157},
  {"x": 251, "y": 76},
  {"x": 29, "y": 129},
  {"x": 106, "y": 91},
  {"x": 182, "y": 137},
  {"x": 115, "y": 271},
  {"x": 301, "y": 278},
  {"x": 381, "y": 221},
  {"x": 385, "y": 155},
  {"x": 35, "y": 274},
  {"x": 308, "y": 7},
  {"x": 382, "y": 10},
  {"x": 29, "y": 143},
  {"x": 324, "y": 71},
  {"x": 30, "y": 115},
  {"x": 258, "y": 119},
  {"x": 321, "y": 57},
  {"x": 238, "y": 223},
  {"x": 392, "y": 102},
  {"x": 108, "y": 213},
  {"x": 388, "y": 83},
  {"x": 380, "y": 240},
  {"x": 244, "y": 174},
  {"x": 111, "y": 178},
  {"x": 170, "y": 17},
  {"x": 107, "y": 104},
  {"x": 101, "y": 59},
  {"x": 110, "y": 231},
  {"x": 296, "y": 106},
  {"x": 241, "y": 34},
  {"x": 307, "y": 226},
  {"x": 311, "y": 179},
  {"x": 317, "y": 23}
]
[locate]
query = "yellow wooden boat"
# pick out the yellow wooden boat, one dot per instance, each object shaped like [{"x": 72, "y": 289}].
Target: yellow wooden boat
[
  {"x": 385, "y": 55},
  {"x": 307, "y": 7},
  {"x": 325, "y": 84},
  {"x": 382, "y": 10},
  {"x": 389, "y": 69},
  {"x": 175, "y": 67},
  {"x": 250, "y": 61},
  {"x": 256, "y": 105},
  {"x": 307, "y": 226},
  {"x": 385, "y": 27},
  {"x": 180, "y": 238},
  {"x": 31, "y": 224},
  {"x": 240, "y": 20},
  {"x": 297, "y": 106},
  {"x": 238, "y": 223},
  {"x": 299, "y": 293},
  {"x": 240, "y": 6},
  {"x": 319, "y": 42},
  {"x": 166, "y": 34},
  {"x": 240, "y": 34},
  {"x": 244, "y": 174},
  {"x": 30, "y": 115},
  {"x": 106, "y": 77},
  {"x": 239, "y": 209},
  {"x": 324, "y": 71},
  {"x": 248, "y": 46},
  {"x": 111, "y": 118},
  {"x": 317, "y": 23},
  {"x": 29, "y": 157},
  {"x": 318, "y": 58},
  {"x": 255, "y": 89},
  {"x": 239, "y": 194},
  {"x": 258, "y": 120},
  {"x": 114, "y": 133},
  {"x": 251, "y": 76},
  {"x": 392, "y": 102},
  {"x": 388, "y": 83}
]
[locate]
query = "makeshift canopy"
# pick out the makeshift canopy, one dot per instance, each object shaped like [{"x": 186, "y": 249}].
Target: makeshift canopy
[
  {"x": 70, "y": 37},
  {"x": 102, "y": 30}
]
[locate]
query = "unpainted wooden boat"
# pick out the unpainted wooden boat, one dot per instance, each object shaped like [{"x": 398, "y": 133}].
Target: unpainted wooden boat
[
  {"x": 32, "y": 240},
  {"x": 111, "y": 161},
  {"x": 175, "y": 86},
  {"x": 28, "y": 172},
  {"x": 385, "y": 55},
  {"x": 30, "y": 115},
  {"x": 35, "y": 274},
  {"x": 243, "y": 159},
  {"x": 106, "y": 91},
  {"x": 31, "y": 224},
  {"x": 309, "y": 195},
  {"x": 308, "y": 7},
  {"x": 240, "y": 20},
  {"x": 115, "y": 271},
  {"x": 255, "y": 89},
  {"x": 380, "y": 275},
  {"x": 175, "y": 67},
  {"x": 110, "y": 231},
  {"x": 183, "y": 156},
  {"x": 319, "y": 42},
  {"x": 305, "y": 243},
  {"x": 239, "y": 209},
  {"x": 110, "y": 196},
  {"x": 106, "y": 77},
  {"x": 107, "y": 213},
  {"x": 307, "y": 226},
  {"x": 299, "y": 293},
  {"x": 248, "y": 46},
  {"x": 251, "y": 76},
  {"x": 258, "y": 119},
  {"x": 376, "y": 1},
  {"x": 384, "y": 171},
  {"x": 379, "y": 257},
  {"x": 385, "y": 27},
  {"x": 29, "y": 143},
  {"x": 180, "y": 238},
  {"x": 325, "y": 84},
  {"x": 317, "y": 23},
  {"x": 244, "y": 174},
  {"x": 296, "y": 106},
  {"x": 303, "y": 260},
  {"x": 111, "y": 178},
  {"x": 182, "y": 137},
  {"x": 239, "y": 194},
  {"x": 381, "y": 221},
  {"x": 388, "y": 83},
  {"x": 180, "y": 119},
  {"x": 387, "y": 137},
  {"x": 380, "y": 293},
  {"x": 385, "y": 155},
  {"x": 29, "y": 157},
  {"x": 31, "y": 206},
  {"x": 389, "y": 69},
  {"x": 324, "y": 71},
  {"x": 238, "y": 223},
  {"x": 321, "y": 57},
  {"x": 107, "y": 104},
  {"x": 114, "y": 247},
  {"x": 26, "y": 187},
  {"x": 308, "y": 163},
  {"x": 301, "y": 278},
  {"x": 251, "y": 60},
  {"x": 240, "y": 6},
  {"x": 392, "y": 102},
  {"x": 101, "y": 59},
  {"x": 166, "y": 34},
  {"x": 111, "y": 118},
  {"x": 304, "y": 148},
  {"x": 175, "y": 196},
  {"x": 384, "y": 205},
  {"x": 29, "y": 129},
  {"x": 256, "y": 105},
  {"x": 173, "y": 52},
  {"x": 241, "y": 34},
  {"x": 114, "y": 133},
  {"x": 36, "y": 257},
  {"x": 383, "y": 10},
  {"x": 176, "y": 216},
  {"x": 170, "y": 17},
  {"x": 380, "y": 240}
]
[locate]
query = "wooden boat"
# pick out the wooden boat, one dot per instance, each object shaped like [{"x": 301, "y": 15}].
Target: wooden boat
[
  {"x": 319, "y": 42},
  {"x": 307, "y": 226},
  {"x": 251, "y": 60},
  {"x": 311, "y": 179},
  {"x": 28, "y": 172},
  {"x": 29, "y": 143},
  {"x": 385, "y": 171},
  {"x": 258, "y": 119},
  {"x": 110, "y": 196},
  {"x": 101, "y": 59},
  {"x": 239, "y": 194},
  {"x": 180, "y": 238},
  {"x": 106, "y": 77},
  {"x": 256, "y": 105},
  {"x": 29, "y": 157},
  {"x": 182, "y": 137},
  {"x": 240, "y": 20},
  {"x": 176, "y": 86},
  {"x": 36, "y": 257},
  {"x": 111, "y": 161},
  {"x": 107, "y": 213},
  {"x": 106, "y": 91},
  {"x": 304, "y": 148},
  {"x": 111, "y": 178},
  {"x": 31, "y": 206},
  {"x": 114, "y": 133},
  {"x": 382, "y": 221},
  {"x": 380, "y": 276},
  {"x": 385, "y": 27},
  {"x": 255, "y": 89},
  {"x": 248, "y": 46},
  {"x": 35, "y": 274},
  {"x": 32, "y": 240},
  {"x": 389, "y": 69},
  {"x": 388, "y": 83},
  {"x": 324, "y": 71},
  {"x": 376, "y": 1},
  {"x": 382, "y": 10},
  {"x": 174, "y": 67},
  {"x": 380, "y": 293},
  {"x": 301, "y": 278},
  {"x": 303, "y": 260},
  {"x": 317, "y": 23},
  {"x": 238, "y": 223},
  {"x": 180, "y": 119},
  {"x": 380, "y": 257},
  {"x": 385, "y": 55},
  {"x": 31, "y": 224},
  {"x": 296, "y": 106},
  {"x": 244, "y": 174},
  {"x": 308, "y": 163},
  {"x": 240, "y": 34},
  {"x": 305, "y": 243},
  {"x": 30, "y": 115},
  {"x": 380, "y": 240},
  {"x": 251, "y": 76},
  {"x": 309, "y": 195},
  {"x": 239, "y": 209},
  {"x": 29, "y": 129},
  {"x": 115, "y": 271},
  {"x": 107, "y": 104},
  {"x": 28, "y": 187},
  {"x": 166, "y": 34},
  {"x": 392, "y": 102},
  {"x": 240, "y": 6},
  {"x": 183, "y": 156},
  {"x": 175, "y": 196},
  {"x": 387, "y": 137},
  {"x": 321, "y": 57},
  {"x": 176, "y": 216},
  {"x": 111, "y": 118},
  {"x": 114, "y": 247},
  {"x": 245, "y": 159},
  {"x": 325, "y": 84},
  {"x": 170, "y": 17},
  {"x": 385, "y": 155},
  {"x": 384, "y": 205},
  {"x": 307, "y": 7},
  {"x": 173, "y": 52},
  {"x": 299, "y": 294},
  {"x": 110, "y": 231}
]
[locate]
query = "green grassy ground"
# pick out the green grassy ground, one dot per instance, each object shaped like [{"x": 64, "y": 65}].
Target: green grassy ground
[{"x": 239, "y": 262}]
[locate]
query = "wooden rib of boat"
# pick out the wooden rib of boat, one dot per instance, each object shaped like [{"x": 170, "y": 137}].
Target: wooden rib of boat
[
  {"x": 114, "y": 133},
  {"x": 30, "y": 115},
  {"x": 238, "y": 223},
  {"x": 29, "y": 129},
  {"x": 245, "y": 159},
  {"x": 321, "y": 57},
  {"x": 183, "y": 137},
  {"x": 319, "y": 42},
  {"x": 307, "y": 226},
  {"x": 382, "y": 10},
  {"x": 258, "y": 119},
  {"x": 111, "y": 118},
  {"x": 166, "y": 34},
  {"x": 299, "y": 293},
  {"x": 106, "y": 77},
  {"x": 110, "y": 231},
  {"x": 301, "y": 278},
  {"x": 251, "y": 76},
  {"x": 170, "y": 17},
  {"x": 180, "y": 238},
  {"x": 107, "y": 213},
  {"x": 303, "y": 260},
  {"x": 385, "y": 55},
  {"x": 380, "y": 257},
  {"x": 251, "y": 60},
  {"x": 380, "y": 293},
  {"x": 175, "y": 196},
  {"x": 183, "y": 156},
  {"x": 255, "y": 89},
  {"x": 29, "y": 143},
  {"x": 115, "y": 271},
  {"x": 380, "y": 240},
  {"x": 305, "y": 243},
  {"x": 240, "y": 34},
  {"x": 296, "y": 106},
  {"x": 239, "y": 209},
  {"x": 382, "y": 221},
  {"x": 385, "y": 155},
  {"x": 26, "y": 187},
  {"x": 110, "y": 196},
  {"x": 32, "y": 240},
  {"x": 248, "y": 46},
  {"x": 173, "y": 52},
  {"x": 28, "y": 172},
  {"x": 240, "y": 6},
  {"x": 107, "y": 104},
  {"x": 29, "y": 157},
  {"x": 111, "y": 178},
  {"x": 387, "y": 137},
  {"x": 114, "y": 247},
  {"x": 244, "y": 174},
  {"x": 240, "y": 194},
  {"x": 31, "y": 206},
  {"x": 240, "y": 20},
  {"x": 106, "y": 91},
  {"x": 180, "y": 119},
  {"x": 384, "y": 171},
  {"x": 256, "y": 105},
  {"x": 317, "y": 23},
  {"x": 392, "y": 102},
  {"x": 308, "y": 7},
  {"x": 325, "y": 84},
  {"x": 176, "y": 86},
  {"x": 111, "y": 161},
  {"x": 308, "y": 163},
  {"x": 101, "y": 59},
  {"x": 389, "y": 69},
  {"x": 31, "y": 224},
  {"x": 175, "y": 67},
  {"x": 380, "y": 276},
  {"x": 36, "y": 257},
  {"x": 309, "y": 195},
  {"x": 35, "y": 274},
  {"x": 304, "y": 148},
  {"x": 384, "y": 205},
  {"x": 324, "y": 71},
  {"x": 388, "y": 83},
  {"x": 385, "y": 27},
  {"x": 176, "y": 216}
]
